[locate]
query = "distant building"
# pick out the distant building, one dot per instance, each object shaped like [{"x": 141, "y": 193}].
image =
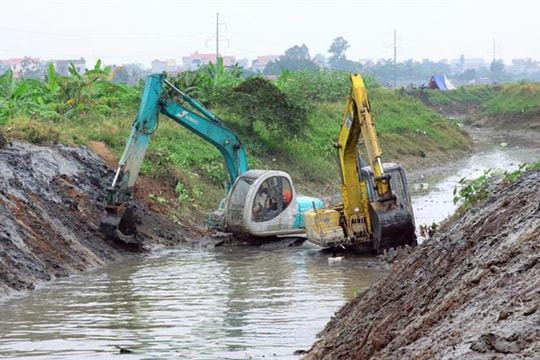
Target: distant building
[
  {"x": 15, "y": 65},
  {"x": 243, "y": 63},
  {"x": 169, "y": 65},
  {"x": 464, "y": 64},
  {"x": 62, "y": 66},
  {"x": 158, "y": 66},
  {"x": 26, "y": 66},
  {"x": 523, "y": 66},
  {"x": 260, "y": 62},
  {"x": 196, "y": 60}
]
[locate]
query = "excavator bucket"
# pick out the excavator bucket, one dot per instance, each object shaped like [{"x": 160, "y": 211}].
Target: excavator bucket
[
  {"x": 120, "y": 227},
  {"x": 393, "y": 226}
]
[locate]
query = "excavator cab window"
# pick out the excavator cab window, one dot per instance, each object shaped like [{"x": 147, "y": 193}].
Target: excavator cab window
[
  {"x": 398, "y": 181},
  {"x": 273, "y": 196}
]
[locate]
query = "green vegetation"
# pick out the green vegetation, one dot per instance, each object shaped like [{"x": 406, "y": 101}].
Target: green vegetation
[
  {"x": 486, "y": 100},
  {"x": 407, "y": 128},
  {"x": 471, "y": 191},
  {"x": 464, "y": 94},
  {"x": 288, "y": 124},
  {"x": 514, "y": 99}
]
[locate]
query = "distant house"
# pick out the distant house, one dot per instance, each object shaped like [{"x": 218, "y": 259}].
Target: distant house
[
  {"x": 27, "y": 66},
  {"x": 196, "y": 60},
  {"x": 15, "y": 65},
  {"x": 440, "y": 82},
  {"x": 62, "y": 66},
  {"x": 169, "y": 65},
  {"x": 462, "y": 64},
  {"x": 260, "y": 62},
  {"x": 158, "y": 66}
]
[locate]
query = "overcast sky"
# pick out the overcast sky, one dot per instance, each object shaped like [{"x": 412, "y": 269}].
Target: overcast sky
[{"x": 139, "y": 31}]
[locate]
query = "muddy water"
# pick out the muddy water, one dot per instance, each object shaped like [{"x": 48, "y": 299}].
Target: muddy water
[
  {"x": 433, "y": 189},
  {"x": 225, "y": 303}
]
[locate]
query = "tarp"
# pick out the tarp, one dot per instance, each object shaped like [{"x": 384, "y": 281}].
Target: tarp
[{"x": 440, "y": 82}]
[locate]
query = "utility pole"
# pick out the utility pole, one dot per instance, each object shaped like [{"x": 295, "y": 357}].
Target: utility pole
[
  {"x": 217, "y": 39},
  {"x": 395, "y": 58}
]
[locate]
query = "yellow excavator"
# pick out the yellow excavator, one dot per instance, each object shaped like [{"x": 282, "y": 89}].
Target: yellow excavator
[{"x": 376, "y": 210}]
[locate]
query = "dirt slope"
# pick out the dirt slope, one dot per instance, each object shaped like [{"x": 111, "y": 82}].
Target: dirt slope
[
  {"x": 470, "y": 292},
  {"x": 51, "y": 202}
]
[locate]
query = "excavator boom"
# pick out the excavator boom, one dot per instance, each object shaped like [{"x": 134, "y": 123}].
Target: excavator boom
[
  {"x": 236, "y": 212},
  {"x": 376, "y": 211},
  {"x": 118, "y": 222}
]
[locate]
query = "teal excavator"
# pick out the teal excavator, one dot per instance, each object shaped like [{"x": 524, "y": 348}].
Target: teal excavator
[{"x": 258, "y": 204}]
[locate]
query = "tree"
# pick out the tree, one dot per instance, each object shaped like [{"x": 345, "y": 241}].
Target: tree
[
  {"x": 298, "y": 53},
  {"x": 497, "y": 70},
  {"x": 210, "y": 83},
  {"x": 338, "y": 59},
  {"x": 120, "y": 75},
  {"x": 320, "y": 59},
  {"x": 30, "y": 68},
  {"x": 129, "y": 74},
  {"x": 257, "y": 99},
  {"x": 462, "y": 61},
  {"x": 338, "y": 48},
  {"x": 468, "y": 75},
  {"x": 295, "y": 58}
]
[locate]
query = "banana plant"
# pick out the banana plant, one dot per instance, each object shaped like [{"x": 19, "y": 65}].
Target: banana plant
[
  {"x": 215, "y": 79},
  {"x": 7, "y": 103},
  {"x": 20, "y": 96},
  {"x": 88, "y": 91}
]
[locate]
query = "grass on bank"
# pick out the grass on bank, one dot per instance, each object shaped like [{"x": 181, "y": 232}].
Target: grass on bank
[
  {"x": 195, "y": 169},
  {"x": 486, "y": 100}
]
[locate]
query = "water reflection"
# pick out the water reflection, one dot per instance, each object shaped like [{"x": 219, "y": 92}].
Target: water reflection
[
  {"x": 230, "y": 303},
  {"x": 494, "y": 150},
  {"x": 227, "y": 303}
]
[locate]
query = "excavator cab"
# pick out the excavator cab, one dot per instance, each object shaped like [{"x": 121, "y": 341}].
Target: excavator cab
[
  {"x": 376, "y": 211},
  {"x": 243, "y": 211},
  {"x": 263, "y": 203}
]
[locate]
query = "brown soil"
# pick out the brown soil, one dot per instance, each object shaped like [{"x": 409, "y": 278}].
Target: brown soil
[
  {"x": 470, "y": 292},
  {"x": 51, "y": 201},
  {"x": 525, "y": 121}
]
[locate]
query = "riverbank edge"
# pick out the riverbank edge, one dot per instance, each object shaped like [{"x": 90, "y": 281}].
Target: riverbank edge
[{"x": 156, "y": 216}]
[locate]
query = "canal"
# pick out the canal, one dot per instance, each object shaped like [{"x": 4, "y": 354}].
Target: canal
[{"x": 231, "y": 302}]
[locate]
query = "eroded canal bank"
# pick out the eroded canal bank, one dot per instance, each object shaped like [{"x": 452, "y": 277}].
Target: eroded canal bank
[{"x": 196, "y": 302}]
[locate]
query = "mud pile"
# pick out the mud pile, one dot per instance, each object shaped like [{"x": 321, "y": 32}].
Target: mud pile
[
  {"x": 51, "y": 202},
  {"x": 470, "y": 292}
]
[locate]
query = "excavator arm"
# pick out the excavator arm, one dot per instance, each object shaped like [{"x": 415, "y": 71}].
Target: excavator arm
[
  {"x": 358, "y": 124},
  {"x": 118, "y": 221},
  {"x": 209, "y": 127},
  {"x": 360, "y": 107},
  {"x": 388, "y": 217},
  {"x": 372, "y": 216}
]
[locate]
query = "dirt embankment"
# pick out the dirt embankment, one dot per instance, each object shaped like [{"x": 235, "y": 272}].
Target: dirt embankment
[
  {"x": 470, "y": 292},
  {"x": 51, "y": 202}
]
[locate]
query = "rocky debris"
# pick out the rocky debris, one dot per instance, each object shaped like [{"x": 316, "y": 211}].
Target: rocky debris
[
  {"x": 51, "y": 202},
  {"x": 472, "y": 291}
]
